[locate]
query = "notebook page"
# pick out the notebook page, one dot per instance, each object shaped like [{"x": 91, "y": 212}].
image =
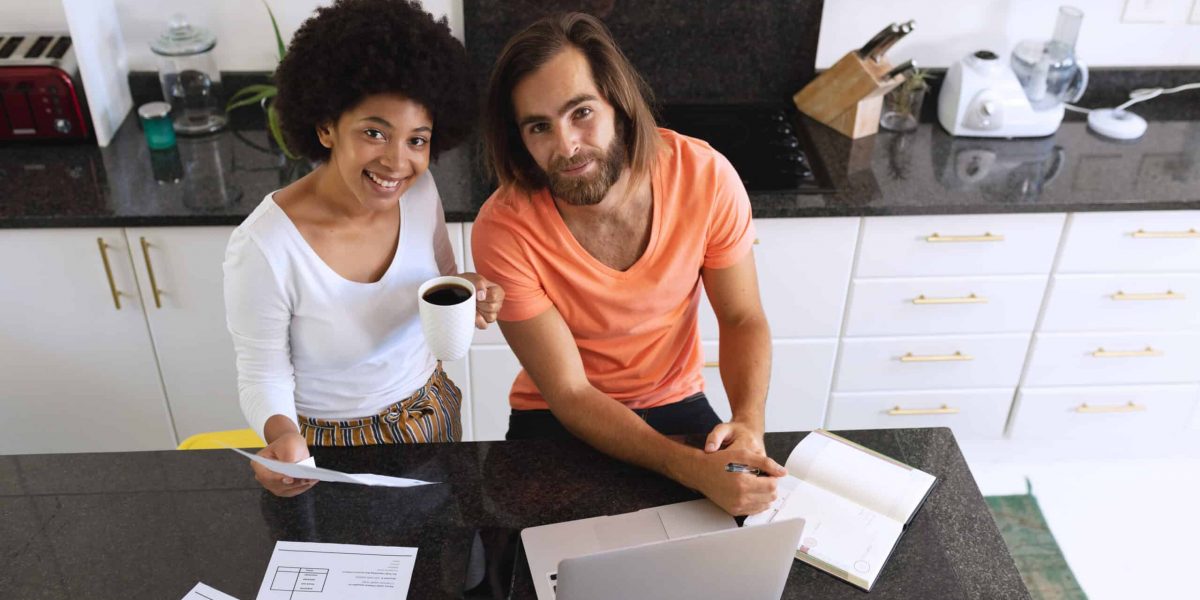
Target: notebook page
[
  {"x": 882, "y": 486},
  {"x": 852, "y": 541}
]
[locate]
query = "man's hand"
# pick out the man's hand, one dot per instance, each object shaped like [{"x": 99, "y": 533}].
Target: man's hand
[
  {"x": 291, "y": 448},
  {"x": 736, "y": 493},
  {"x": 735, "y": 435},
  {"x": 488, "y": 299}
]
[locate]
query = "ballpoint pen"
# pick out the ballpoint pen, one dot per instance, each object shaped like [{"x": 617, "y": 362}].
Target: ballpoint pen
[{"x": 741, "y": 468}]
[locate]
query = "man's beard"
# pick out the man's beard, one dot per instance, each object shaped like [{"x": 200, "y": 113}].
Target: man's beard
[{"x": 587, "y": 190}]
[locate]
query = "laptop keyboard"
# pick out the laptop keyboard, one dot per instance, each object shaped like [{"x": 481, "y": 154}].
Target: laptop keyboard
[{"x": 553, "y": 577}]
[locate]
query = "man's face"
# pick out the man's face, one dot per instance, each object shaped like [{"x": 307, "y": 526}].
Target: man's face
[{"x": 570, "y": 129}]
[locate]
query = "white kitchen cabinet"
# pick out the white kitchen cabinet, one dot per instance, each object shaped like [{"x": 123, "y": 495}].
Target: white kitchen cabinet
[
  {"x": 803, "y": 273},
  {"x": 1137, "y": 242},
  {"x": 970, "y": 413},
  {"x": 940, "y": 362},
  {"x": 181, "y": 282},
  {"x": 493, "y": 369},
  {"x": 1169, "y": 302},
  {"x": 801, "y": 371},
  {"x": 1113, "y": 358},
  {"x": 79, "y": 373},
  {"x": 1109, "y": 412},
  {"x": 933, "y": 305},
  {"x": 958, "y": 245}
]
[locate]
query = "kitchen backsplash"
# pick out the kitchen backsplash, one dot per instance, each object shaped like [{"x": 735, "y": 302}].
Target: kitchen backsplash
[{"x": 689, "y": 51}]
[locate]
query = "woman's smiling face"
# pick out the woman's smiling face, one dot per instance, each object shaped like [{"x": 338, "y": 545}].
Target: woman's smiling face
[{"x": 379, "y": 147}]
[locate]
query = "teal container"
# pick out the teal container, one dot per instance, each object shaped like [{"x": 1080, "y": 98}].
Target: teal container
[{"x": 156, "y": 125}]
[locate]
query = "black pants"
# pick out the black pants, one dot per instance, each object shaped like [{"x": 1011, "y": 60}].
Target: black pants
[{"x": 690, "y": 415}]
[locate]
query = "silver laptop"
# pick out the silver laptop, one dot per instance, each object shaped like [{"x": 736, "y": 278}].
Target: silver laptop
[{"x": 686, "y": 550}]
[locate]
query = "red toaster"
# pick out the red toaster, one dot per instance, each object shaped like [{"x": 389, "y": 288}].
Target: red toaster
[{"x": 41, "y": 90}]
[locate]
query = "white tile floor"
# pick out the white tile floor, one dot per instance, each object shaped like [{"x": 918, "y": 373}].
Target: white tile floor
[{"x": 1126, "y": 514}]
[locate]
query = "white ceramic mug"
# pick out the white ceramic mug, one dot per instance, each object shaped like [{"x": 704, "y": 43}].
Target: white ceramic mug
[{"x": 449, "y": 328}]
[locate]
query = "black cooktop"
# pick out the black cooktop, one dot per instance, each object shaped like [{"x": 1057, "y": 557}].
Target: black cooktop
[{"x": 766, "y": 144}]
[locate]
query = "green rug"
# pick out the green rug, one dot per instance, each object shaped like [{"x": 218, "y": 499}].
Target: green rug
[{"x": 1039, "y": 560}]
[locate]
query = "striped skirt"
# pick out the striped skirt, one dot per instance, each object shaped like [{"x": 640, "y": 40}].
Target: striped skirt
[{"x": 431, "y": 414}]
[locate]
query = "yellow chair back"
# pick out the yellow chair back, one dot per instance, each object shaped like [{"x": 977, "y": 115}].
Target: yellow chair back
[{"x": 233, "y": 438}]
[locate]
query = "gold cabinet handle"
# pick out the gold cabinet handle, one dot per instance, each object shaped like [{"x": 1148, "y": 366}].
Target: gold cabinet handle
[
  {"x": 986, "y": 237},
  {"x": 112, "y": 284},
  {"x": 957, "y": 356},
  {"x": 1102, "y": 353},
  {"x": 1169, "y": 295},
  {"x": 712, "y": 365},
  {"x": 150, "y": 272},
  {"x": 944, "y": 410},
  {"x": 1119, "y": 408},
  {"x": 756, "y": 242},
  {"x": 1143, "y": 234},
  {"x": 968, "y": 299}
]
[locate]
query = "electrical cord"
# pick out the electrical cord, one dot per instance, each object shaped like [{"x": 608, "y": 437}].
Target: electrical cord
[{"x": 1139, "y": 95}]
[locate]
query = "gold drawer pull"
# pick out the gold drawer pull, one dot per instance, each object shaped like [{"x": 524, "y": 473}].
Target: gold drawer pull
[
  {"x": 112, "y": 284},
  {"x": 1120, "y": 408},
  {"x": 957, "y": 356},
  {"x": 712, "y": 365},
  {"x": 150, "y": 272},
  {"x": 944, "y": 410},
  {"x": 1102, "y": 353},
  {"x": 1143, "y": 234},
  {"x": 986, "y": 237},
  {"x": 1169, "y": 295},
  {"x": 968, "y": 299},
  {"x": 756, "y": 242}
]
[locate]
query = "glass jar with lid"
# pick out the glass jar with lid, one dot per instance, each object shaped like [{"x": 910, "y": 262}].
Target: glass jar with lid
[{"x": 190, "y": 80}]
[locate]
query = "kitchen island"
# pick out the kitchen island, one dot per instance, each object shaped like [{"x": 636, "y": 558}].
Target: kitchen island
[{"x": 152, "y": 524}]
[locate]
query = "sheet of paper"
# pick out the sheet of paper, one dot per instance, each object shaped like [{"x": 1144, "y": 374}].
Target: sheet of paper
[
  {"x": 203, "y": 592},
  {"x": 303, "y": 471},
  {"x": 851, "y": 538},
  {"x": 336, "y": 571},
  {"x": 883, "y": 486}
]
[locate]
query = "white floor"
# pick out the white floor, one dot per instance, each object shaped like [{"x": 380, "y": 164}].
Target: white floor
[{"x": 1125, "y": 513}]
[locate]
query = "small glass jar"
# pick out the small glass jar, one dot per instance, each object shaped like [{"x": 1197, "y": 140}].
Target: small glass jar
[
  {"x": 156, "y": 125},
  {"x": 189, "y": 77},
  {"x": 902, "y": 107}
]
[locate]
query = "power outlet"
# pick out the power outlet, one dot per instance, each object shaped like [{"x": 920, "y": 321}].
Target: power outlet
[{"x": 1147, "y": 11}]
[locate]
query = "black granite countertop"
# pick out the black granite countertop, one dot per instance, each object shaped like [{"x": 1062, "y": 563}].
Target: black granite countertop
[
  {"x": 152, "y": 524},
  {"x": 926, "y": 172}
]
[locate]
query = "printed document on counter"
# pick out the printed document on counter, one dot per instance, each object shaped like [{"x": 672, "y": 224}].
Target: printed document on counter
[
  {"x": 336, "y": 571},
  {"x": 307, "y": 469},
  {"x": 204, "y": 592}
]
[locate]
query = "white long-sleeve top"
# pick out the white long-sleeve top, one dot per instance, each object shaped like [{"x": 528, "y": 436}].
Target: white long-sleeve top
[{"x": 309, "y": 341}]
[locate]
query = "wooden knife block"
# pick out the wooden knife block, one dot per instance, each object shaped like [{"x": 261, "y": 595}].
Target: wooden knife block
[{"x": 848, "y": 96}]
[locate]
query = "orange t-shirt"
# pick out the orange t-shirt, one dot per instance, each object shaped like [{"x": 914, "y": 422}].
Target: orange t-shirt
[{"x": 636, "y": 330}]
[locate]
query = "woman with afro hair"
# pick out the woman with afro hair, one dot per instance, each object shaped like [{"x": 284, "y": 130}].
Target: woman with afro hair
[{"x": 321, "y": 279}]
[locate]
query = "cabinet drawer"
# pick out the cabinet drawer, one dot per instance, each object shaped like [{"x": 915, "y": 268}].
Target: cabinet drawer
[
  {"x": 801, "y": 371},
  {"x": 1103, "y": 412},
  {"x": 958, "y": 245},
  {"x": 913, "y": 363},
  {"x": 971, "y": 414},
  {"x": 1123, "y": 302},
  {"x": 1096, "y": 358},
  {"x": 944, "y": 305},
  {"x": 493, "y": 370},
  {"x": 1132, "y": 241},
  {"x": 803, "y": 274}
]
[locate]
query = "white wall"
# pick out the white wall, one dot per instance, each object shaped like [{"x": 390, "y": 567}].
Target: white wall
[
  {"x": 244, "y": 38},
  {"x": 946, "y": 29},
  {"x": 949, "y": 29}
]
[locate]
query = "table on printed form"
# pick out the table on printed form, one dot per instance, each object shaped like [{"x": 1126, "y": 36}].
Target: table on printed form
[{"x": 152, "y": 524}]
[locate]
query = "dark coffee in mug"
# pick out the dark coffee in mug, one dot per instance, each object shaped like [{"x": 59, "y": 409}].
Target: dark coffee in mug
[{"x": 447, "y": 294}]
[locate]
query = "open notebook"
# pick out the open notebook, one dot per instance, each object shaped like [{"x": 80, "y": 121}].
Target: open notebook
[{"x": 855, "y": 501}]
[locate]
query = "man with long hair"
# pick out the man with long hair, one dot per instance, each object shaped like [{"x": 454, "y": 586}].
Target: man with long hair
[{"x": 601, "y": 233}]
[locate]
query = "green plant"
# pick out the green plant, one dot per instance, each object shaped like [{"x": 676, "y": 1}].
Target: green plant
[
  {"x": 915, "y": 83},
  {"x": 263, "y": 94}
]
